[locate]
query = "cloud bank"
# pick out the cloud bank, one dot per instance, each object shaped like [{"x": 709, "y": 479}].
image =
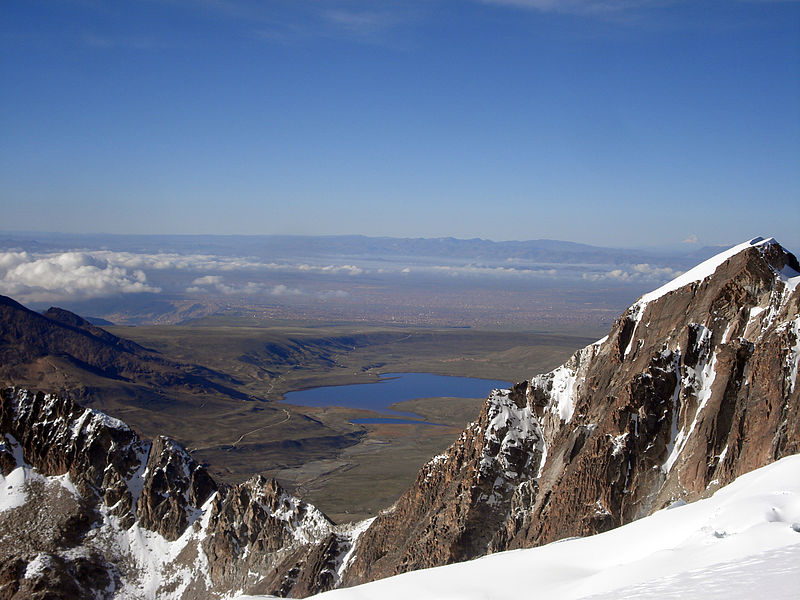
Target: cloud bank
[
  {"x": 66, "y": 275},
  {"x": 89, "y": 274},
  {"x": 636, "y": 273},
  {"x": 84, "y": 275},
  {"x": 214, "y": 283}
]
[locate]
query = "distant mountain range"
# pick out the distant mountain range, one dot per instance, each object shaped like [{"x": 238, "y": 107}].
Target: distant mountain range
[{"x": 283, "y": 246}]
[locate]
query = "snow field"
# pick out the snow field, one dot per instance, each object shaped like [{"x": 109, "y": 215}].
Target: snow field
[{"x": 750, "y": 527}]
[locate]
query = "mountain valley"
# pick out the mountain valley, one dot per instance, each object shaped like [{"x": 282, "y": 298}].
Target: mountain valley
[
  {"x": 694, "y": 386},
  {"x": 219, "y": 389}
]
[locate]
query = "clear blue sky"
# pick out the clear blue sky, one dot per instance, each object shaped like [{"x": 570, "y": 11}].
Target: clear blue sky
[{"x": 616, "y": 122}]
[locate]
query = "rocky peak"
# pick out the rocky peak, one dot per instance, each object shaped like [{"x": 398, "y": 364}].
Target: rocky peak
[
  {"x": 459, "y": 498},
  {"x": 134, "y": 515},
  {"x": 174, "y": 488},
  {"x": 57, "y": 437},
  {"x": 694, "y": 385},
  {"x": 256, "y": 527}
]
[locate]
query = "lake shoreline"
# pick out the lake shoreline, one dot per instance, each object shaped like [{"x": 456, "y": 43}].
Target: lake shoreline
[{"x": 393, "y": 388}]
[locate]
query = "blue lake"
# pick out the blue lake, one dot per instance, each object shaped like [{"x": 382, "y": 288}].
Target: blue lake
[{"x": 394, "y": 387}]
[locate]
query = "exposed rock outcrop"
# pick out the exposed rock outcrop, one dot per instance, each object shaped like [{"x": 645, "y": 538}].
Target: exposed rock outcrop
[
  {"x": 695, "y": 384},
  {"x": 90, "y": 503}
]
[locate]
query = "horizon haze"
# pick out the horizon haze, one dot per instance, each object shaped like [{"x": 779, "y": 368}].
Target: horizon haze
[{"x": 543, "y": 285}]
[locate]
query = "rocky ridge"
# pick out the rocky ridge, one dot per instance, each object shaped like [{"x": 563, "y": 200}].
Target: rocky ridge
[
  {"x": 91, "y": 508},
  {"x": 32, "y": 343}
]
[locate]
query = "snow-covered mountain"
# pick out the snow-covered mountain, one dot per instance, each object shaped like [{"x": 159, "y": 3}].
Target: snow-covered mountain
[
  {"x": 742, "y": 542},
  {"x": 695, "y": 385}
]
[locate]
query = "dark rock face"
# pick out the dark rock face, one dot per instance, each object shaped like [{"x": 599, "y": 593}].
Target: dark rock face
[
  {"x": 174, "y": 487},
  {"x": 59, "y": 437},
  {"x": 101, "y": 511},
  {"x": 27, "y": 337},
  {"x": 51, "y": 577},
  {"x": 690, "y": 389},
  {"x": 258, "y": 528},
  {"x": 459, "y": 499},
  {"x": 158, "y": 484},
  {"x": 72, "y": 320}
]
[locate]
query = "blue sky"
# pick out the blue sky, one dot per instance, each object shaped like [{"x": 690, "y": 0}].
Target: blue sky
[{"x": 621, "y": 122}]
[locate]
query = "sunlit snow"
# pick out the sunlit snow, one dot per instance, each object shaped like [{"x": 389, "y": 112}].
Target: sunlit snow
[
  {"x": 704, "y": 269},
  {"x": 741, "y": 542}
]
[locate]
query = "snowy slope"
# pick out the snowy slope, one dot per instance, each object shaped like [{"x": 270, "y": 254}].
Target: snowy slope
[
  {"x": 704, "y": 269},
  {"x": 743, "y": 541}
]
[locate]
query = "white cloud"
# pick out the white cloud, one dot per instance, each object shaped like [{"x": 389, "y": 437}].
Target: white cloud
[
  {"x": 656, "y": 272},
  {"x": 474, "y": 270},
  {"x": 692, "y": 239},
  {"x": 215, "y": 283},
  {"x": 9, "y": 260},
  {"x": 481, "y": 270},
  {"x": 239, "y": 289},
  {"x": 183, "y": 262},
  {"x": 80, "y": 275},
  {"x": 346, "y": 269},
  {"x": 66, "y": 275},
  {"x": 634, "y": 273},
  {"x": 208, "y": 262},
  {"x": 208, "y": 280},
  {"x": 282, "y": 290}
]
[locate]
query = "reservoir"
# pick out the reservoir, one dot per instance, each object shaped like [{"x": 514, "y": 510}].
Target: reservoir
[{"x": 394, "y": 387}]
